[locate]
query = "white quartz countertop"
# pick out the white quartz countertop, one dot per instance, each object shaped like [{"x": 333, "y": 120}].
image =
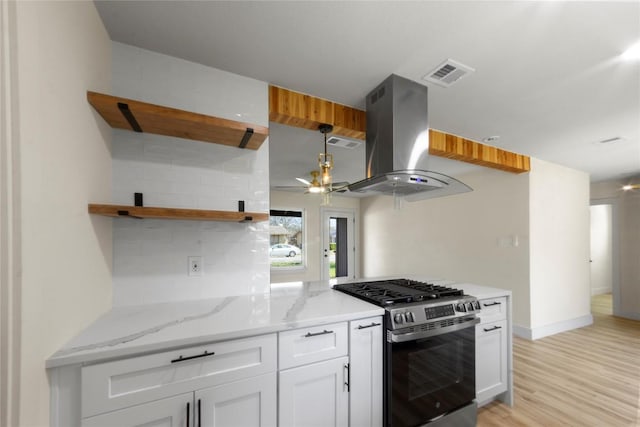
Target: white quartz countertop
[
  {"x": 125, "y": 331},
  {"x": 131, "y": 330}
]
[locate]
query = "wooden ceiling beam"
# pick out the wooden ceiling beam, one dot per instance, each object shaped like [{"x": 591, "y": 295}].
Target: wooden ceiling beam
[
  {"x": 305, "y": 111},
  {"x": 454, "y": 147}
]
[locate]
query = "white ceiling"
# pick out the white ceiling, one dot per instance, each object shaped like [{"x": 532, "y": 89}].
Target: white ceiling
[{"x": 549, "y": 78}]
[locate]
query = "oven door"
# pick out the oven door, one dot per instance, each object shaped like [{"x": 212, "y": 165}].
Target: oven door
[{"x": 429, "y": 373}]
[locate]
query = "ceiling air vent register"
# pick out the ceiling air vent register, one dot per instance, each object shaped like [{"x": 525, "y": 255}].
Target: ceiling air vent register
[
  {"x": 343, "y": 143},
  {"x": 447, "y": 73}
]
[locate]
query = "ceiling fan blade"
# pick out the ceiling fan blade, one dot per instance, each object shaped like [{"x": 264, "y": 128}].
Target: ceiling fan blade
[
  {"x": 340, "y": 187},
  {"x": 304, "y": 181}
]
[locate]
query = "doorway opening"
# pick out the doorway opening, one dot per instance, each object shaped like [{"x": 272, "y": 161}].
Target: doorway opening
[
  {"x": 338, "y": 251},
  {"x": 602, "y": 259}
]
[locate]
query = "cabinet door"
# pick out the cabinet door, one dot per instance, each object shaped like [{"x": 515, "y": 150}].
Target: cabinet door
[
  {"x": 365, "y": 349},
  {"x": 174, "y": 411},
  {"x": 245, "y": 403},
  {"x": 315, "y": 395},
  {"x": 491, "y": 359}
]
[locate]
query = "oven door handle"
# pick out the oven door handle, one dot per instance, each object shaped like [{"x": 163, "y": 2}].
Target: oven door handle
[{"x": 412, "y": 336}]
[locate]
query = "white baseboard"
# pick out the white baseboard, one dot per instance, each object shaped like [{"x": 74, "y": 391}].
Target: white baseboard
[
  {"x": 552, "y": 329},
  {"x": 629, "y": 315},
  {"x": 522, "y": 331},
  {"x": 600, "y": 291}
]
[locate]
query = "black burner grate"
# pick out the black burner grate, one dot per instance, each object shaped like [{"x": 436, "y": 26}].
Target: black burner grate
[{"x": 396, "y": 291}]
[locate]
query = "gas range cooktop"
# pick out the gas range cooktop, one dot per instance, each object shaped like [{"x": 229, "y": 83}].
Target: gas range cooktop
[
  {"x": 410, "y": 304},
  {"x": 397, "y": 291}
]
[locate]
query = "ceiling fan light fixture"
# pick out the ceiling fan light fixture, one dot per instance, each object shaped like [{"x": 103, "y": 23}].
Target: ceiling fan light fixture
[
  {"x": 316, "y": 189},
  {"x": 325, "y": 160}
]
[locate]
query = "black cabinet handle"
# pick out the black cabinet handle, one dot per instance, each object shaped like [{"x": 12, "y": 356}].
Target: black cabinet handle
[
  {"x": 368, "y": 326},
  {"x": 199, "y": 414},
  {"x": 493, "y": 303},
  {"x": 347, "y": 377},
  {"x": 197, "y": 356},
  {"x": 309, "y": 334},
  {"x": 492, "y": 329},
  {"x": 188, "y": 412}
]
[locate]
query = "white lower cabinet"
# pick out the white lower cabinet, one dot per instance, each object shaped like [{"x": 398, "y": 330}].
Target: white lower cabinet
[
  {"x": 491, "y": 354},
  {"x": 492, "y": 362},
  {"x": 327, "y": 376},
  {"x": 174, "y": 411},
  {"x": 250, "y": 402},
  {"x": 315, "y": 395},
  {"x": 331, "y": 375},
  {"x": 365, "y": 351}
]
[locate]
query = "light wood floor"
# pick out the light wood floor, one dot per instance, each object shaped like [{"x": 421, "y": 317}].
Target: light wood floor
[{"x": 587, "y": 377}]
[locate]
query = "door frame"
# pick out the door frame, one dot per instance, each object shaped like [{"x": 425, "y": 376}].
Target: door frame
[{"x": 352, "y": 237}]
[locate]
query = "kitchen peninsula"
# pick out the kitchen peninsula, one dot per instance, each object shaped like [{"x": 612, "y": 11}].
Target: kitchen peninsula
[{"x": 192, "y": 358}]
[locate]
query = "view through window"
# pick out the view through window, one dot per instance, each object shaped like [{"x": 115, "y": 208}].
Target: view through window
[{"x": 286, "y": 233}]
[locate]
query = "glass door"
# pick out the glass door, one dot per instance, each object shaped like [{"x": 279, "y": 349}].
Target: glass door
[{"x": 338, "y": 244}]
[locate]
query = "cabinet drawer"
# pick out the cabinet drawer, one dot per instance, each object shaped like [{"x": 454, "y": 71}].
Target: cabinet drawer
[
  {"x": 308, "y": 345},
  {"x": 118, "y": 384},
  {"x": 493, "y": 309}
]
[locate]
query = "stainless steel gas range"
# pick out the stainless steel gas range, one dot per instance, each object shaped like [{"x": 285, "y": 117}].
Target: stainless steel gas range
[{"x": 429, "y": 356}]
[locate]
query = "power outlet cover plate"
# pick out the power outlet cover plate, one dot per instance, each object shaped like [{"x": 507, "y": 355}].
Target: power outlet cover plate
[{"x": 194, "y": 264}]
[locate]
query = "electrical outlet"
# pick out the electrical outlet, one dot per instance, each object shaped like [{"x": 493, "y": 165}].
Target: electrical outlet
[{"x": 194, "y": 264}]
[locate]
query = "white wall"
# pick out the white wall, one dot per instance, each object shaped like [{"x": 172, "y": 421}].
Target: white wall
[
  {"x": 559, "y": 264},
  {"x": 479, "y": 237},
  {"x": 310, "y": 204},
  {"x": 150, "y": 256},
  {"x": 601, "y": 249},
  {"x": 63, "y": 50},
  {"x": 626, "y": 219}
]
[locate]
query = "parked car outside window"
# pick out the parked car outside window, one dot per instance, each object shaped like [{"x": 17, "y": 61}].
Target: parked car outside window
[{"x": 284, "y": 250}]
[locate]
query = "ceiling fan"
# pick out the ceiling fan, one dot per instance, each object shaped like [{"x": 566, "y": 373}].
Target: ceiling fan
[{"x": 321, "y": 180}]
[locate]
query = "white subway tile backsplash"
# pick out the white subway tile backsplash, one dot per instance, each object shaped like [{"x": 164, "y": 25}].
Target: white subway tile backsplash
[{"x": 150, "y": 256}]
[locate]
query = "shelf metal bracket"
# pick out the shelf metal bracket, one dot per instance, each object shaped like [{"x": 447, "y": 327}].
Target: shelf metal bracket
[
  {"x": 245, "y": 138},
  {"x": 126, "y": 213},
  {"x": 126, "y": 112}
]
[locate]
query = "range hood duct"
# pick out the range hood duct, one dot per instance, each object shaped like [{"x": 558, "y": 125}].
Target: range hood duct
[{"x": 397, "y": 145}]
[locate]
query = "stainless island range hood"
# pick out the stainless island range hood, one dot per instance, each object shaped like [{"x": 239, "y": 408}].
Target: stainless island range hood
[{"x": 397, "y": 145}]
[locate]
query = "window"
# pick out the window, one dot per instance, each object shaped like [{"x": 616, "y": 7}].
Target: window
[{"x": 286, "y": 234}]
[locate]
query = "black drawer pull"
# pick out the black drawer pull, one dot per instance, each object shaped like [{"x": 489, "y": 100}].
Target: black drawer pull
[
  {"x": 492, "y": 329},
  {"x": 309, "y": 334},
  {"x": 368, "y": 326},
  {"x": 182, "y": 359},
  {"x": 493, "y": 303}
]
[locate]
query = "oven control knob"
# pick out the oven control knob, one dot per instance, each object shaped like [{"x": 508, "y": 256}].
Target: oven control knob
[
  {"x": 399, "y": 318},
  {"x": 461, "y": 307},
  {"x": 409, "y": 317},
  {"x": 470, "y": 306}
]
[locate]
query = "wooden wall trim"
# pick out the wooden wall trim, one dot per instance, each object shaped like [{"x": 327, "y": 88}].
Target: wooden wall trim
[{"x": 305, "y": 111}]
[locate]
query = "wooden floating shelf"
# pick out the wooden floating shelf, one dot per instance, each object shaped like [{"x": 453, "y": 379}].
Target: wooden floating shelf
[
  {"x": 142, "y": 212},
  {"x": 123, "y": 113}
]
